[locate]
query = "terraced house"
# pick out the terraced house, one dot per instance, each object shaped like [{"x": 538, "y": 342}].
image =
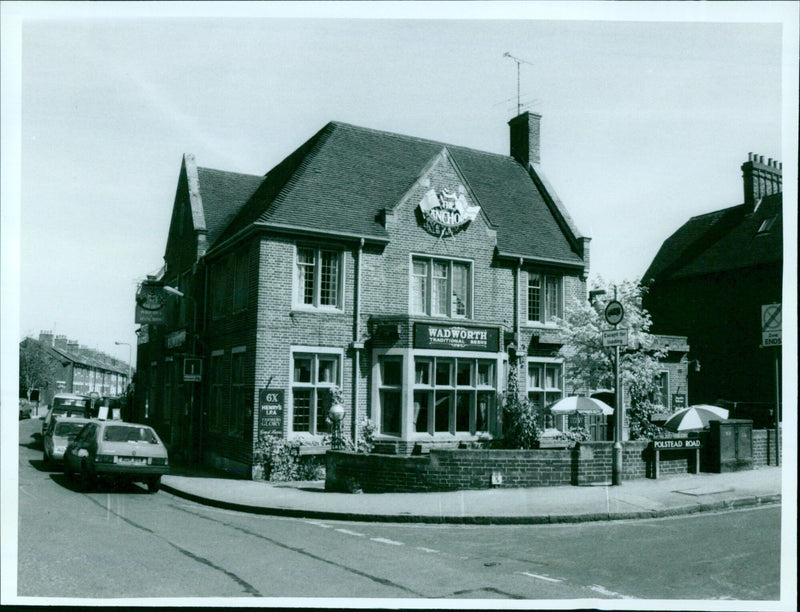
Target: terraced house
[{"x": 406, "y": 272}]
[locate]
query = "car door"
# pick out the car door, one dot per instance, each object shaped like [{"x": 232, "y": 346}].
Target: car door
[{"x": 80, "y": 441}]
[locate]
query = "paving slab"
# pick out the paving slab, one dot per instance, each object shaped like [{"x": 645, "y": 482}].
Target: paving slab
[{"x": 643, "y": 498}]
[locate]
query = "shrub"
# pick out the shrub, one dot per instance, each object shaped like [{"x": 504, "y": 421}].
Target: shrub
[{"x": 520, "y": 419}]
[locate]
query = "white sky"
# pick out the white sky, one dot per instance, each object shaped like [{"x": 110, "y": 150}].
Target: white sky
[{"x": 644, "y": 124}]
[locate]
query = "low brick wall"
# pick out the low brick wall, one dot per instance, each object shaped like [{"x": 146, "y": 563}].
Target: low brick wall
[
  {"x": 764, "y": 447},
  {"x": 448, "y": 470}
]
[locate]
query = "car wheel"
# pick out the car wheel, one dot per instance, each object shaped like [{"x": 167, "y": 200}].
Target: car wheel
[{"x": 153, "y": 484}]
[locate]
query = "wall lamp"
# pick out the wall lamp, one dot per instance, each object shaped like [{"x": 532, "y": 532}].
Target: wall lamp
[{"x": 696, "y": 364}]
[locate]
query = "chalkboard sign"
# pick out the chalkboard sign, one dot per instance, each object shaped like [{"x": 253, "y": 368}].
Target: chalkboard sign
[{"x": 270, "y": 410}]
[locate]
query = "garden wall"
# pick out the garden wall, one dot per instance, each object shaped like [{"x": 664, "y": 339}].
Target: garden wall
[
  {"x": 764, "y": 447},
  {"x": 448, "y": 470}
]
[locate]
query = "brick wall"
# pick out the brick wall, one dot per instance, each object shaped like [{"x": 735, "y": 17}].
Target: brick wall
[
  {"x": 447, "y": 470},
  {"x": 764, "y": 447}
]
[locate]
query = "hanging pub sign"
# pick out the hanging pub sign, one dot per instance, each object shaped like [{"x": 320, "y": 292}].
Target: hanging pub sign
[
  {"x": 678, "y": 401},
  {"x": 151, "y": 302},
  {"x": 192, "y": 369},
  {"x": 456, "y": 337},
  {"x": 270, "y": 411},
  {"x": 446, "y": 211}
]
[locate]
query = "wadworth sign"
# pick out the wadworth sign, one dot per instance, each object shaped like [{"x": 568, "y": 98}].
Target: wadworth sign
[
  {"x": 446, "y": 211},
  {"x": 456, "y": 337}
]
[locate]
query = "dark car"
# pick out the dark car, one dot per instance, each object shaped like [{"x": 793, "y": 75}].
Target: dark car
[
  {"x": 24, "y": 409},
  {"x": 67, "y": 405},
  {"x": 119, "y": 451}
]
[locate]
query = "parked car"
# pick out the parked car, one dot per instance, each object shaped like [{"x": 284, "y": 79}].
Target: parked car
[
  {"x": 58, "y": 435},
  {"x": 118, "y": 451},
  {"x": 69, "y": 405},
  {"x": 24, "y": 409}
]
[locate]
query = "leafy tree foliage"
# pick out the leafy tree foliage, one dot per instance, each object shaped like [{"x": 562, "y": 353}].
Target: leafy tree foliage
[
  {"x": 590, "y": 365},
  {"x": 37, "y": 369}
]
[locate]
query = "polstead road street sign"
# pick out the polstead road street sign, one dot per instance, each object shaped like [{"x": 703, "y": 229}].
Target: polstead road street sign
[
  {"x": 614, "y": 312},
  {"x": 615, "y": 337},
  {"x": 771, "y": 325}
]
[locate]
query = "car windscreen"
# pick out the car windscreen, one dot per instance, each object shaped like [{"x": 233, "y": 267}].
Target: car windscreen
[
  {"x": 129, "y": 433},
  {"x": 65, "y": 429},
  {"x": 69, "y": 401},
  {"x": 77, "y": 411}
]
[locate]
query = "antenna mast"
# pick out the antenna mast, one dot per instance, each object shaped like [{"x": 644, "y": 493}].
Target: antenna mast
[{"x": 518, "y": 61}]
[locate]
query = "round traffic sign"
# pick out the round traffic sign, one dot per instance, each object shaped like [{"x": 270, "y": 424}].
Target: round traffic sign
[{"x": 614, "y": 312}]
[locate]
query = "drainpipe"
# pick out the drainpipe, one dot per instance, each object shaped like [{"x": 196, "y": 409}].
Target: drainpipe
[{"x": 357, "y": 344}]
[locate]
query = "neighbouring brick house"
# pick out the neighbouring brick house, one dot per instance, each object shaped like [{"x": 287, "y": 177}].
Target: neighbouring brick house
[
  {"x": 403, "y": 271},
  {"x": 709, "y": 282},
  {"x": 79, "y": 369}
]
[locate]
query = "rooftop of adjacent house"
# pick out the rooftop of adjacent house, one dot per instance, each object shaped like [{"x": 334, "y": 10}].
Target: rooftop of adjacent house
[
  {"x": 732, "y": 238},
  {"x": 343, "y": 177}
]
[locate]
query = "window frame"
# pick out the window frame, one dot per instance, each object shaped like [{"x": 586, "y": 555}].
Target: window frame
[
  {"x": 298, "y": 296},
  {"x": 241, "y": 277},
  {"x": 315, "y": 386},
  {"x": 543, "y": 390},
  {"x": 216, "y": 390},
  {"x": 237, "y": 392},
  {"x": 544, "y": 295},
  {"x": 428, "y": 281}
]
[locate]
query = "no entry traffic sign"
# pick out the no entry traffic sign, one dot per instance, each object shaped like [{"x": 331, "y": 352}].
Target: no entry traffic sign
[{"x": 614, "y": 312}]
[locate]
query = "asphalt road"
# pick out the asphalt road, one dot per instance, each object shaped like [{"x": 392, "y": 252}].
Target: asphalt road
[{"x": 126, "y": 543}]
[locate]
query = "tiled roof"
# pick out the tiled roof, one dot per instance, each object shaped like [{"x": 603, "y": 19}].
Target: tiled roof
[
  {"x": 722, "y": 240},
  {"x": 341, "y": 179},
  {"x": 223, "y": 195}
]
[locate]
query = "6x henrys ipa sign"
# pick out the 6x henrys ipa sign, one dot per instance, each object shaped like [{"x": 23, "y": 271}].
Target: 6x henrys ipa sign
[{"x": 270, "y": 411}]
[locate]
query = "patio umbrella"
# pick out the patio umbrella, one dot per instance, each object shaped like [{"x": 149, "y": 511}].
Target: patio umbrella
[
  {"x": 695, "y": 417},
  {"x": 584, "y": 405}
]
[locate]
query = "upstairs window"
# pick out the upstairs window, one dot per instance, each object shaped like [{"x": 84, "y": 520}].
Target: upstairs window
[
  {"x": 766, "y": 225},
  {"x": 440, "y": 288},
  {"x": 545, "y": 300},
  {"x": 318, "y": 278}
]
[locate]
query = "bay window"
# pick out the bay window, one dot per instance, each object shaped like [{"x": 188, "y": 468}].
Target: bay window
[
  {"x": 453, "y": 395},
  {"x": 544, "y": 386}
]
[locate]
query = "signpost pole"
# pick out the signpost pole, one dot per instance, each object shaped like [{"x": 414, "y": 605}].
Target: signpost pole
[
  {"x": 616, "y": 468},
  {"x": 777, "y": 409}
]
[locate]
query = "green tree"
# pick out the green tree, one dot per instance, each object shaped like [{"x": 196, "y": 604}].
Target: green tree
[
  {"x": 37, "y": 369},
  {"x": 590, "y": 365}
]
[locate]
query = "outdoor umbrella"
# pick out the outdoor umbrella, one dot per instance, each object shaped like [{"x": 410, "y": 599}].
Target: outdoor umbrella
[
  {"x": 584, "y": 405},
  {"x": 695, "y": 417}
]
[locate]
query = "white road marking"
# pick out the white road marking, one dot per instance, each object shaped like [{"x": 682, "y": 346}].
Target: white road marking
[
  {"x": 542, "y": 577},
  {"x": 323, "y": 525},
  {"x": 427, "y": 550},
  {"x": 604, "y": 591},
  {"x": 386, "y": 541},
  {"x": 348, "y": 532}
]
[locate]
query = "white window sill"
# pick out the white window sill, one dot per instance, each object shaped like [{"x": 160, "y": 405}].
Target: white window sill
[
  {"x": 547, "y": 326},
  {"x": 316, "y": 309}
]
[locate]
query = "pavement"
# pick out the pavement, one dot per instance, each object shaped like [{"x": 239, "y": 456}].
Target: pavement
[{"x": 634, "y": 499}]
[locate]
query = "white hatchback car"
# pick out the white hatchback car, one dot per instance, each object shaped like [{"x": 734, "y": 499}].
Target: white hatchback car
[
  {"x": 59, "y": 433},
  {"x": 117, "y": 450}
]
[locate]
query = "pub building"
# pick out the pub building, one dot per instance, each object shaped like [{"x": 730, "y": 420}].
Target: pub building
[{"x": 408, "y": 273}]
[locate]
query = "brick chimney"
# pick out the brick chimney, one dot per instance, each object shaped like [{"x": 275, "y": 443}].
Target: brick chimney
[
  {"x": 525, "y": 138},
  {"x": 72, "y": 346},
  {"x": 46, "y": 337},
  {"x": 761, "y": 178},
  {"x": 60, "y": 342}
]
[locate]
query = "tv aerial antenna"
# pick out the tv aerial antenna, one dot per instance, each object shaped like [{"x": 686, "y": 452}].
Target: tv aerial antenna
[{"x": 518, "y": 61}]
